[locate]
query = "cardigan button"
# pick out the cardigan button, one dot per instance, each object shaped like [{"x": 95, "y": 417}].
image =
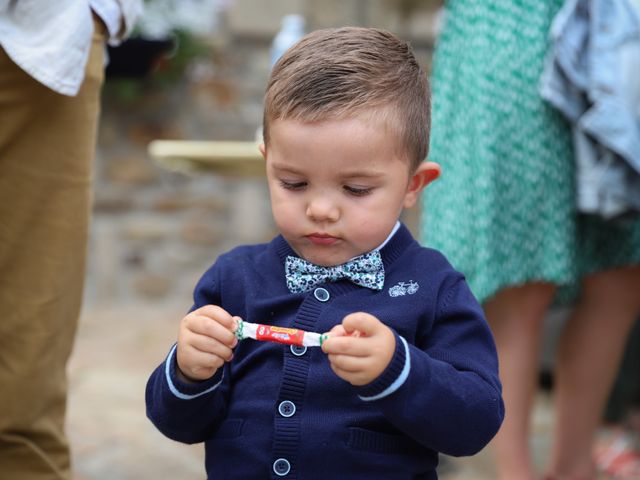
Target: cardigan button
[
  {"x": 321, "y": 294},
  {"x": 281, "y": 467},
  {"x": 298, "y": 350},
  {"x": 287, "y": 408}
]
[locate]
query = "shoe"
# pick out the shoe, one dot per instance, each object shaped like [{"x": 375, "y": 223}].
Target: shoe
[{"x": 619, "y": 457}]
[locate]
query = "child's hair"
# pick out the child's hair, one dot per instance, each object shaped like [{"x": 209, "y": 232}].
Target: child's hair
[{"x": 337, "y": 73}]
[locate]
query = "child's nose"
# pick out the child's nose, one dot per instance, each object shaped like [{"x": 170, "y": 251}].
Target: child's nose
[{"x": 321, "y": 208}]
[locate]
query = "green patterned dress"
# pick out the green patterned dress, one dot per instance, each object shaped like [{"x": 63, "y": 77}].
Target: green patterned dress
[{"x": 503, "y": 210}]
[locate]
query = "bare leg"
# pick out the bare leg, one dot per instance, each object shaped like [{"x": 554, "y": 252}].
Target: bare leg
[
  {"x": 516, "y": 316},
  {"x": 590, "y": 351}
]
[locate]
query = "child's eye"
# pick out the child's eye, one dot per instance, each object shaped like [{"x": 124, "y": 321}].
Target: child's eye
[
  {"x": 292, "y": 185},
  {"x": 358, "y": 191}
]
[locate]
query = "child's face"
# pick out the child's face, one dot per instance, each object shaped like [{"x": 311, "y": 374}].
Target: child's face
[{"x": 338, "y": 186}]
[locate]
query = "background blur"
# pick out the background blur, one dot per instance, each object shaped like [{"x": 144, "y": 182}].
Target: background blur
[
  {"x": 196, "y": 70},
  {"x": 155, "y": 230}
]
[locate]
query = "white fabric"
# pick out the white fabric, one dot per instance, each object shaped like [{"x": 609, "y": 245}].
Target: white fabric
[
  {"x": 50, "y": 40},
  {"x": 393, "y": 232},
  {"x": 109, "y": 13}
]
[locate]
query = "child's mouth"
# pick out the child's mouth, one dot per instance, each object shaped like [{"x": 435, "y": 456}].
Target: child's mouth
[{"x": 322, "y": 239}]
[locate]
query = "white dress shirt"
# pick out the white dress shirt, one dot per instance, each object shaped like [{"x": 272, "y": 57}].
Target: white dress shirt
[{"x": 50, "y": 40}]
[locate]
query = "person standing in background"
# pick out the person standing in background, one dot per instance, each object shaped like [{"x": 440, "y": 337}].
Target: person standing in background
[
  {"x": 51, "y": 71},
  {"x": 504, "y": 213}
]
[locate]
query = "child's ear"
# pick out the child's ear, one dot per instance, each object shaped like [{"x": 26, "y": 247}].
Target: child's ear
[
  {"x": 263, "y": 150},
  {"x": 426, "y": 173}
]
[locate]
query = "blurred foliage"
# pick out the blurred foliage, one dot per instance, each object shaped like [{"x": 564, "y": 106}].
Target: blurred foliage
[{"x": 165, "y": 70}]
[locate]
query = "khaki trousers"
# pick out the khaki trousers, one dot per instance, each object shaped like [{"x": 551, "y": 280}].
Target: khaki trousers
[{"x": 47, "y": 144}]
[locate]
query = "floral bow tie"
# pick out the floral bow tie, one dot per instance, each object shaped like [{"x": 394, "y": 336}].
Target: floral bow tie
[{"x": 366, "y": 270}]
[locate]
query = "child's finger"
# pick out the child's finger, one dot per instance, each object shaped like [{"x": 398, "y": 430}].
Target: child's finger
[
  {"x": 198, "y": 365},
  {"x": 346, "y": 345},
  {"x": 218, "y": 314},
  {"x": 236, "y": 319},
  {"x": 210, "y": 345},
  {"x": 337, "y": 331},
  {"x": 348, "y": 363},
  {"x": 204, "y": 325},
  {"x": 356, "y": 377},
  {"x": 360, "y": 323},
  {"x": 223, "y": 334}
]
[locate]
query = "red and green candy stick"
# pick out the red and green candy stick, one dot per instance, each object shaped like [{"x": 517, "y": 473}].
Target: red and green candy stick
[{"x": 271, "y": 333}]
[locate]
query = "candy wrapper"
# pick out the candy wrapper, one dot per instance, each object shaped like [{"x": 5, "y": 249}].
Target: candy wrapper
[{"x": 270, "y": 333}]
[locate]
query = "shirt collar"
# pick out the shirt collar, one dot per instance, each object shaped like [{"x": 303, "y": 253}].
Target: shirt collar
[
  {"x": 393, "y": 232},
  {"x": 379, "y": 247}
]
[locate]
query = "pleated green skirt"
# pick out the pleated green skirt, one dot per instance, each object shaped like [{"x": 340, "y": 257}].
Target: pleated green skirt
[{"x": 503, "y": 211}]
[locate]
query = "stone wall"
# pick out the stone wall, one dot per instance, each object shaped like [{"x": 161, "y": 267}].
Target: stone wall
[{"x": 155, "y": 231}]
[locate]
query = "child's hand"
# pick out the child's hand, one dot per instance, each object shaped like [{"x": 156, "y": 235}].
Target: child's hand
[
  {"x": 205, "y": 342},
  {"x": 360, "y": 348}
]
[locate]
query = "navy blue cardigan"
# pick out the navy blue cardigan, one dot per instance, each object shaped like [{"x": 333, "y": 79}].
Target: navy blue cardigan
[{"x": 280, "y": 412}]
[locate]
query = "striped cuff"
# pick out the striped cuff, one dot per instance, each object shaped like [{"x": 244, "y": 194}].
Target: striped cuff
[
  {"x": 393, "y": 376},
  {"x": 184, "y": 390}
]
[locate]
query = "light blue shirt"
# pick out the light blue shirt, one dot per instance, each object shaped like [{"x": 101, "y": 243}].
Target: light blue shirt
[{"x": 591, "y": 76}]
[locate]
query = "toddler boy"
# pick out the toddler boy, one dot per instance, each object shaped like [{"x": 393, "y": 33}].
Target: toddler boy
[{"x": 409, "y": 368}]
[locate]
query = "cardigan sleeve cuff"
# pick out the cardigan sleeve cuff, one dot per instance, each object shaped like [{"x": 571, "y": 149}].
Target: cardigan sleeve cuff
[
  {"x": 392, "y": 378},
  {"x": 188, "y": 390}
]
